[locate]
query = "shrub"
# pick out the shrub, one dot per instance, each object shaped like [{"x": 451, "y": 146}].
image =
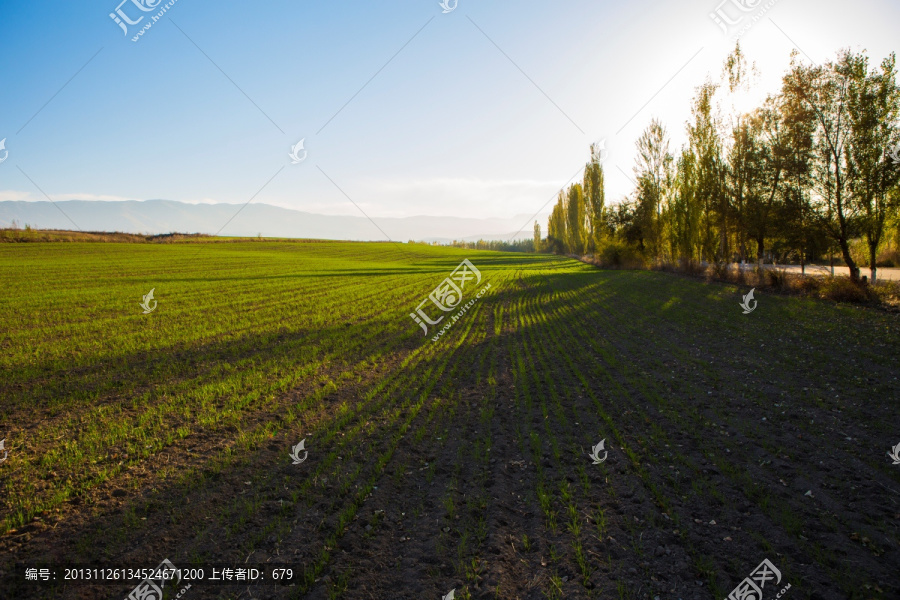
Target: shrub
[
  {"x": 888, "y": 258},
  {"x": 719, "y": 270},
  {"x": 843, "y": 289},
  {"x": 776, "y": 278},
  {"x": 618, "y": 255},
  {"x": 691, "y": 267},
  {"x": 738, "y": 275},
  {"x": 887, "y": 292},
  {"x": 807, "y": 284}
]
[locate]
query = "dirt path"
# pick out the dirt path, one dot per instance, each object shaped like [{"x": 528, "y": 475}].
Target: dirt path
[{"x": 883, "y": 273}]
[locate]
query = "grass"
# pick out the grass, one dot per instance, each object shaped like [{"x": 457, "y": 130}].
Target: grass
[
  {"x": 102, "y": 374},
  {"x": 260, "y": 342}
]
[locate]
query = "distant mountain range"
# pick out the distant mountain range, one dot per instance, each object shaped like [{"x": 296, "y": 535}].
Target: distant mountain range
[{"x": 167, "y": 216}]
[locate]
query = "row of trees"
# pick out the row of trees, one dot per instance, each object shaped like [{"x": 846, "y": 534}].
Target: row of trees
[
  {"x": 498, "y": 245},
  {"x": 577, "y": 224},
  {"x": 495, "y": 245},
  {"x": 813, "y": 170}
]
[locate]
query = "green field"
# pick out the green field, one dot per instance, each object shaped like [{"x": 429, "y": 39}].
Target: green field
[{"x": 456, "y": 464}]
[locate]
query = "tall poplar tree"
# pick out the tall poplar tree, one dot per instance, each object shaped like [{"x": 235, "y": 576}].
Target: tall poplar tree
[
  {"x": 577, "y": 223},
  {"x": 653, "y": 170},
  {"x": 556, "y": 227},
  {"x": 595, "y": 200},
  {"x": 708, "y": 171}
]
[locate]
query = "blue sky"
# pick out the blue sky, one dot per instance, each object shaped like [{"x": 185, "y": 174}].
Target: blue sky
[{"x": 485, "y": 112}]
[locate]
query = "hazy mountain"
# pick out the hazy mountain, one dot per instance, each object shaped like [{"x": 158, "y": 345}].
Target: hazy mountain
[{"x": 166, "y": 216}]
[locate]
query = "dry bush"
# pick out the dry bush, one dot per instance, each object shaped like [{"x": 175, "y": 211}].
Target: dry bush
[
  {"x": 719, "y": 271},
  {"x": 843, "y": 289},
  {"x": 806, "y": 284},
  {"x": 886, "y": 293},
  {"x": 888, "y": 258},
  {"x": 839, "y": 289},
  {"x": 776, "y": 278},
  {"x": 738, "y": 275},
  {"x": 664, "y": 264},
  {"x": 691, "y": 267}
]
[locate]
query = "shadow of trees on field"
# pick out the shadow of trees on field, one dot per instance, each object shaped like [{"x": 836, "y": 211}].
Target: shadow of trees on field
[{"x": 645, "y": 319}]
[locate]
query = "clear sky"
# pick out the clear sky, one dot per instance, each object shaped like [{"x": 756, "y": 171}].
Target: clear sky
[{"x": 484, "y": 111}]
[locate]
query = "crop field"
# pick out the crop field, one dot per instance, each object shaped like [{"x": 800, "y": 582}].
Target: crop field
[{"x": 452, "y": 465}]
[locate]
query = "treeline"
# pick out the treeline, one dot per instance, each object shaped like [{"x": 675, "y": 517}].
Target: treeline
[
  {"x": 497, "y": 245},
  {"x": 30, "y": 234},
  {"x": 811, "y": 172}
]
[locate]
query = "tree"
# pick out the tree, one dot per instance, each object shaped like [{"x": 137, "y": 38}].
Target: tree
[
  {"x": 707, "y": 174},
  {"x": 873, "y": 109},
  {"x": 556, "y": 227},
  {"x": 766, "y": 128},
  {"x": 577, "y": 224},
  {"x": 685, "y": 210},
  {"x": 653, "y": 170},
  {"x": 798, "y": 219},
  {"x": 742, "y": 168},
  {"x": 537, "y": 237},
  {"x": 624, "y": 221},
  {"x": 595, "y": 199},
  {"x": 824, "y": 90}
]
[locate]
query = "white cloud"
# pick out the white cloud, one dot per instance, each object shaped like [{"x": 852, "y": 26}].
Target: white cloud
[
  {"x": 476, "y": 198},
  {"x": 16, "y": 195}
]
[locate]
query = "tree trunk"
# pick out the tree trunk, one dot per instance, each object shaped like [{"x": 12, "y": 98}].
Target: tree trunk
[
  {"x": 845, "y": 252},
  {"x": 873, "y": 268},
  {"x": 843, "y": 238}
]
